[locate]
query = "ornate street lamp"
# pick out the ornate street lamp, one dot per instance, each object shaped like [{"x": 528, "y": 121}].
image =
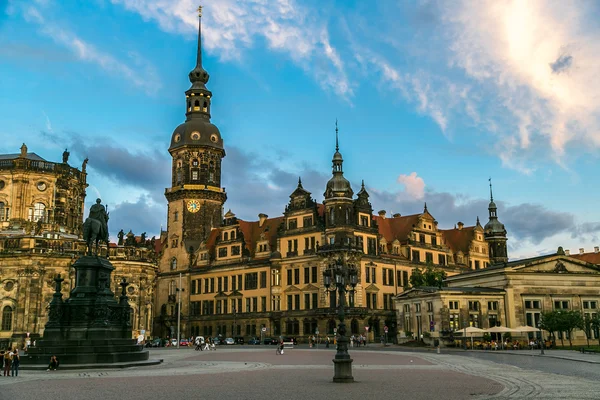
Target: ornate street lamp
[{"x": 340, "y": 274}]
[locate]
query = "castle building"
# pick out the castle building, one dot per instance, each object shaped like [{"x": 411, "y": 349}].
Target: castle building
[
  {"x": 41, "y": 217},
  {"x": 221, "y": 275}
]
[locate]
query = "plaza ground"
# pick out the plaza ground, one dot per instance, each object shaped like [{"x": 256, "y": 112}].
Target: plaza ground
[{"x": 246, "y": 372}]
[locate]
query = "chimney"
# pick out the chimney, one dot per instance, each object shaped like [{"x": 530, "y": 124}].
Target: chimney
[
  {"x": 581, "y": 251},
  {"x": 397, "y": 215},
  {"x": 460, "y": 225},
  {"x": 261, "y": 219},
  {"x": 567, "y": 252},
  {"x": 382, "y": 214},
  {"x": 596, "y": 249}
]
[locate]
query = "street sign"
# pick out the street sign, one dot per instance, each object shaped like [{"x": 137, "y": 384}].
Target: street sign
[
  {"x": 366, "y": 328},
  {"x": 264, "y": 329},
  {"x": 385, "y": 329}
]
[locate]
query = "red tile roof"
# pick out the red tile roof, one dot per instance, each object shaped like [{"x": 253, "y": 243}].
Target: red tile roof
[
  {"x": 396, "y": 227},
  {"x": 459, "y": 239},
  {"x": 592, "y": 258},
  {"x": 252, "y": 232}
]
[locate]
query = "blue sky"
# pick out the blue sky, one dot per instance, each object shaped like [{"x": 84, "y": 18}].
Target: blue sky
[{"x": 432, "y": 99}]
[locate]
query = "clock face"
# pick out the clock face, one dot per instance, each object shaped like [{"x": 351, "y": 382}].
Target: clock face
[
  {"x": 41, "y": 186},
  {"x": 193, "y": 206}
]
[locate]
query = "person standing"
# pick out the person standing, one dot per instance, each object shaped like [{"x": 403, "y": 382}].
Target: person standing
[
  {"x": 16, "y": 361},
  {"x": 7, "y": 362}
]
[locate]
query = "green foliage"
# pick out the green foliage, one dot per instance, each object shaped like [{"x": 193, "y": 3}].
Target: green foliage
[
  {"x": 430, "y": 276},
  {"x": 562, "y": 321},
  {"x": 408, "y": 334}
]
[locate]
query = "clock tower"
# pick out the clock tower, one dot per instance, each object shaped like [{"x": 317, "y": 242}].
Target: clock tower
[{"x": 195, "y": 198}]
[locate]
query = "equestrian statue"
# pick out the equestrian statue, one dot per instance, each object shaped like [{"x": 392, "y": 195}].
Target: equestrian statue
[{"x": 95, "y": 227}]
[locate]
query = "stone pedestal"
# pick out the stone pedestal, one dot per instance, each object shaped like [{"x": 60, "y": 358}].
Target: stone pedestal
[{"x": 91, "y": 327}]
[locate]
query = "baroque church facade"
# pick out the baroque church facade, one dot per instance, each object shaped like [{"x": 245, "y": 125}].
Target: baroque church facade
[
  {"x": 221, "y": 275},
  {"x": 41, "y": 218}
]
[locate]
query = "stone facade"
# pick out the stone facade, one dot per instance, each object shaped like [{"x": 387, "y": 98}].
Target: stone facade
[
  {"x": 41, "y": 209},
  {"x": 242, "y": 278},
  {"x": 509, "y": 294}
]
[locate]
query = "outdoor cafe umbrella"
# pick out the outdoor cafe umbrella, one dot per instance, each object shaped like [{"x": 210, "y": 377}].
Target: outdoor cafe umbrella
[
  {"x": 501, "y": 330},
  {"x": 471, "y": 331},
  {"x": 526, "y": 328}
]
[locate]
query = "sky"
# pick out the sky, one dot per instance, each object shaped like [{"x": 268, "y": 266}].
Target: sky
[{"x": 432, "y": 99}]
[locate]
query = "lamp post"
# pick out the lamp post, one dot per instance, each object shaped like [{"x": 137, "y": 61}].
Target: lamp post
[
  {"x": 541, "y": 337},
  {"x": 233, "y": 326},
  {"x": 341, "y": 272},
  {"x": 179, "y": 290}
]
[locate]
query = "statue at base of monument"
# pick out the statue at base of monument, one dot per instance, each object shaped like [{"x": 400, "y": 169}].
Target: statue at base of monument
[{"x": 95, "y": 227}]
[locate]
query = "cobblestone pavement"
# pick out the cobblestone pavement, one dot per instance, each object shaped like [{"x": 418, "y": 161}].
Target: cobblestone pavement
[{"x": 258, "y": 373}]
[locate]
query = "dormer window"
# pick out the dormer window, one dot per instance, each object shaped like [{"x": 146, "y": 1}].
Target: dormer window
[
  {"x": 292, "y": 223},
  {"x": 232, "y": 235},
  {"x": 225, "y": 236}
]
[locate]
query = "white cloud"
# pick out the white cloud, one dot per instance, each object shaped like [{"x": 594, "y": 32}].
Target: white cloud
[
  {"x": 414, "y": 185},
  {"x": 139, "y": 74},
  {"x": 536, "y": 61},
  {"x": 229, "y": 27}
]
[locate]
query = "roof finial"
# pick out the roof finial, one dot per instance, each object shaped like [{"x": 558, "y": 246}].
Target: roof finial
[
  {"x": 425, "y": 208},
  {"x": 299, "y": 181},
  {"x": 199, "y": 55},
  {"x": 478, "y": 220},
  {"x": 491, "y": 194},
  {"x": 337, "y": 147},
  {"x": 363, "y": 184}
]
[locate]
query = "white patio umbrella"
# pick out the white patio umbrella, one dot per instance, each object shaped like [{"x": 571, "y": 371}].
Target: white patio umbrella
[
  {"x": 471, "y": 331},
  {"x": 526, "y": 328},
  {"x": 501, "y": 330}
]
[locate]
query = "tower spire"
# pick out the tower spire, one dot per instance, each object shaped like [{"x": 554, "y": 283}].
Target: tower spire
[
  {"x": 491, "y": 194},
  {"x": 337, "y": 146},
  {"x": 199, "y": 55}
]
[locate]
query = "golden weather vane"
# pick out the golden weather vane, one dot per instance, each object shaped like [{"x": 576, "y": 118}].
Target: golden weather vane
[{"x": 199, "y": 11}]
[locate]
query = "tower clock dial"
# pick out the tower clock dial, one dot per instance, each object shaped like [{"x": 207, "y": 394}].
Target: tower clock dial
[{"x": 193, "y": 206}]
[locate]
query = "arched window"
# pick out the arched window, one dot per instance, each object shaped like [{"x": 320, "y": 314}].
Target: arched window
[
  {"x": 7, "y": 316},
  {"x": 179, "y": 176},
  {"x": 330, "y": 326},
  {"x": 205, "y": 107},
  {"x": 196, "y": 105},
  {"x": 347, "y": 216},
  {"x": 2, "y": 211},
  {"x": 173, "y": 263},
  {"x": 354, "y": 327},
  {"x": 39, "y": 211},
  {"x": 189, "y": 106},
  {"x": 225, "y": 236},
  {"x": 232, "y": 235},
  {"x": 194, "y": 163},
  {"x": 331, "y": 216},
  {"x": 211, "y": 171}
]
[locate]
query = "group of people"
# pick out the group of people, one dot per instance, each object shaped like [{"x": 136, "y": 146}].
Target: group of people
[
  {"x": 358, "y": 340},
  {"x": 10, "y": 362},
  {"x": 204, "y": 344},
  {"x": 510, "y": 344}
]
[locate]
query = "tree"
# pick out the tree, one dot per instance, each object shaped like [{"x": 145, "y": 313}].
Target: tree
[
  {"x": 571, "y": 320},
  {"x": 595, "y": 322},
  {"x": 588, "y": 327},
  {"x": 431, "y": 276},
  {"x": 550, "y": 322}
]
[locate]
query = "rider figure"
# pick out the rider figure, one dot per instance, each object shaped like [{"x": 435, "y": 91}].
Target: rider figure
[{"x": 98, "y": 212}]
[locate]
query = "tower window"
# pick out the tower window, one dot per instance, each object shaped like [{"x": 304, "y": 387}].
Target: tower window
[
  {"x": 189, "y": 106},
  {"x": 196, "y": 105},
  {"x": 173, "y": 263},
  {"x": 205, "y": 107},
  {"x": 194, "y": 163}
]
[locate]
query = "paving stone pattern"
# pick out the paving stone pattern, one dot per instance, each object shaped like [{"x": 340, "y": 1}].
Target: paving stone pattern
[{"x": 258, "y": 373}]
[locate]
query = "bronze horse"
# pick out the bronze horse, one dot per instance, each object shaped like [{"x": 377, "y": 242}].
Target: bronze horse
[{"x": 94, "y": 232}]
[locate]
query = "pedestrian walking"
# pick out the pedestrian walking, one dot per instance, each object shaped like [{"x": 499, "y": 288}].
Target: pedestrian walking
[
  {"x": 327, "y": 342},
  {"x": 16, "y": 361},
  {"x": 7, "y": 362}
]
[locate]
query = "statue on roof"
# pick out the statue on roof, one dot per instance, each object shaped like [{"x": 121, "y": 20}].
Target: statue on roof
[
  {"x": 84, "y": 165},
  {"x": 120, "y": 235},
  {"x": 23, "y": 150},
  {"x": 66, "y": 156}
]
